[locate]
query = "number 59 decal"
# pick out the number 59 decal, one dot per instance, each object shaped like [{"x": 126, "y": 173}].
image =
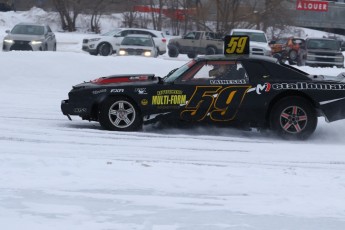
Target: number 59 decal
[
  {"x": 236, "y": 44},
  {"x": 220, "y": 104}
]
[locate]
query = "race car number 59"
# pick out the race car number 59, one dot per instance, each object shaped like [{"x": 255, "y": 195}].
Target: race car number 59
[{"x": 236, "y": 44}]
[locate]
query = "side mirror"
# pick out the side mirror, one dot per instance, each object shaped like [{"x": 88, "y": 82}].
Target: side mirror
[
  {"x": 272, "y": 42},
  {"x": 7, "y": 31}
]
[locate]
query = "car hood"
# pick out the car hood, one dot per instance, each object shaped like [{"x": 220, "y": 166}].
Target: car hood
[
  {"x": 124, "y": 79},
  {"x": 24, "y": 37}
]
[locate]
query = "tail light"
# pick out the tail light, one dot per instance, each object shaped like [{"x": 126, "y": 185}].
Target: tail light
[{"x": 164, "y": 40}]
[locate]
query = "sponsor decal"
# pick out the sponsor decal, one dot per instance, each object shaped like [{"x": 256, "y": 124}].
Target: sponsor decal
[
  {"x": 80, "y": 110},
  {"x": 308, "y": 86},
  {"x": 227, "y": 82},
  {"x": 162, "y": 92},
  {"x": 168, "y": 99},
  {"x": 117, "y": 91},
  {"x": 140, "y": 90},
  {"x": 99, "y": 91},
  {"x": 261, "y": 88},
  {"x": 144, "y": 102},
  {"x": 312, "y": 5}
]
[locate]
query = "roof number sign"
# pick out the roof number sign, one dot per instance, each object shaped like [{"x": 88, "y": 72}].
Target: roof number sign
[{"x": 238, "y": 44}]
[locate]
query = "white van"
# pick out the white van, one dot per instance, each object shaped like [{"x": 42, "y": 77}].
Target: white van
[{"x": 258, "y": 41}]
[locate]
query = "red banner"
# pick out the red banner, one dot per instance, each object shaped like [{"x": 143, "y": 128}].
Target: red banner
[{"x": 312, "y": 5}]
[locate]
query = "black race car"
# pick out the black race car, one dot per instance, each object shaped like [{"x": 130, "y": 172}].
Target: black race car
[{"x": 225, "y": 90}]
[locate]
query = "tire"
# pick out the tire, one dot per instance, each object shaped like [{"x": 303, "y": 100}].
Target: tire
[
  {"x": 293, "y": 117},
  {"x": 105, "y": 49},
  {"x": 192, "y": 55},
  {"x": 120, "y": 114},
  {"x": 293, "y": 55},
  {"x": 173, "y": 51},
  {"x": 210, "y": 51}
]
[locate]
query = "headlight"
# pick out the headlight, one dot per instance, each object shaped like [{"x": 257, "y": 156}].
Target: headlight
[
  {"x": 36, "y": 42},
  {"x": 122, "y": 52},
  {"x": 147, "y": 53},
  {"x": 8, "y": 41},
  {"x": 94, "y": 39}
]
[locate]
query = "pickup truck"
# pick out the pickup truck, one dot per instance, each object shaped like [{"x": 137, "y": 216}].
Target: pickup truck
[
  {"x": 321, "y": 52},
  {"x": 196, "y": 42},
  {"x": 258, "y": 41}
]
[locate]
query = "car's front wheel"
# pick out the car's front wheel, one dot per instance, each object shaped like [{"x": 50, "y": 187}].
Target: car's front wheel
[
  {"x": 293, "y": 117},
  {"x": 120, "y": 114}
]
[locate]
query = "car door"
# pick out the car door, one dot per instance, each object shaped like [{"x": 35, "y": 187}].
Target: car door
[
  {"x": 190, "y": 41},
  {"x": 211, "y": 97}
]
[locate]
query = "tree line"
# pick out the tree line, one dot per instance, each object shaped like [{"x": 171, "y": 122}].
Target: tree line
[{"x": 180, "y": 16}]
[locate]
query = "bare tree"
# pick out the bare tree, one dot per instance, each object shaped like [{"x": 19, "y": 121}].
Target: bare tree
[{"x": 68, "y": 11}]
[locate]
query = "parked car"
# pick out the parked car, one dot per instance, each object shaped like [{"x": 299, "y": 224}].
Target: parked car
[
  {"x": 196, "y": 42},
  {"x": 138, "y": 44},
  {"x": 109, "y": 43},
  {"x": 29, "y": 36},
  {"x": 287, "y": 49},
  {"x": 321, "y": 52},
  {"x": 247, "y": 91},
  {"x": 258, "y": 41}
]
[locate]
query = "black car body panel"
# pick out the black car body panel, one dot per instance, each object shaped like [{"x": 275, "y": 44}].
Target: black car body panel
[{"x": 189, "y": 94}]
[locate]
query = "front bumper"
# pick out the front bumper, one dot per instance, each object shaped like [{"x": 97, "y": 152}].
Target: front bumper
[
  {"x": 22, "y": 46},
  {"x": 68, "y": 109}
]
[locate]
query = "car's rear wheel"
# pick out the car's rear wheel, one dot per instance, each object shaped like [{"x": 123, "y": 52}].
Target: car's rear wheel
[
  {"x": 173, "y": 51},
  {"x": 120, "y": 114},
  {"x": 293, "y": 117},
  {"x": 191, "y": 55},
  {"x": 105, "y": 49}
]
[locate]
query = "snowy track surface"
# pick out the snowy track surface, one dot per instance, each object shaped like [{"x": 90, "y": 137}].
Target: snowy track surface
[{"x": 72, "y": 175}]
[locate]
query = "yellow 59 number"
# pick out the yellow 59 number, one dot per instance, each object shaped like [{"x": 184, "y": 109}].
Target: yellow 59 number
[{"x": 236, "y": 45}]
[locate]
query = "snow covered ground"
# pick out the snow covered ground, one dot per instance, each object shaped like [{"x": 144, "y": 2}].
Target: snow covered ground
[{"x": 72, "y": 175}]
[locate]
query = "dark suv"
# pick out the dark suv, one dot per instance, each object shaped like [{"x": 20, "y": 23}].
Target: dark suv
[{"x": 321, "y": 52}]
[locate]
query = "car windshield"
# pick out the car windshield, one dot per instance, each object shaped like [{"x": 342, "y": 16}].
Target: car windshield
[
  {"x": 28, "y": 29},
  {"x": 137, "y": 41},
  {"x": 323, "y": 44},
  {"x": 112, "y": 32},
  {"x": 171, "y": 77},
  {"x": 253, "y": 36}
]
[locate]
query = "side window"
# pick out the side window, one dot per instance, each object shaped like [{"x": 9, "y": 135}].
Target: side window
[
  {"x": 197, "y": 35},
  {"x": 213, "y": 72},
  {"x": 48, "y": 29},
  {"x": 124, "y": 33},
  {"x": 257, "y": 71},
  {"x": 190, "y": 35},
  {"x": 151, "y": 34}
]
